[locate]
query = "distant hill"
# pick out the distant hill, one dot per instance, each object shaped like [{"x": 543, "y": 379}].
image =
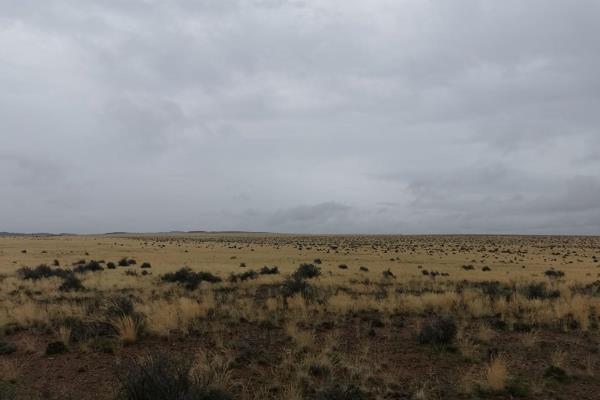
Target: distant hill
[{"x": 31, "y": 234}]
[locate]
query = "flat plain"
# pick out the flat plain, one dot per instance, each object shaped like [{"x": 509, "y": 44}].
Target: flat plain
[{"x": 266, "y": 316}]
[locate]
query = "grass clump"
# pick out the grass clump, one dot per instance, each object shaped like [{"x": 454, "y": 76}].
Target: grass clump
[
  {"x": 497, "y": 375},
  {"x": 162, "y": 376}
]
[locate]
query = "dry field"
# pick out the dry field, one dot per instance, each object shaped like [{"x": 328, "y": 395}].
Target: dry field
[{"x": 259, "y": 316}]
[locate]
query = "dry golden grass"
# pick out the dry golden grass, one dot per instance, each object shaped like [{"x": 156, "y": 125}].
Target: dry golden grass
[
  {"x": 302, "y": 338},
  {"x": 64, "y": 334},
  {"x": 485, "y": 333},
  {"x": 468, "y": 348},
  {"x": 127, "y": 329},
  {"x": 421, "y": 394},
  {"x": 214, "y": 252},
  {"x": 292, "y": 392},
  {"x": 530, "y": 339},
  {"x": 497, "y": 374},
  {"x": 353, "y": 323},
  {"x": 214, "y": 371}
]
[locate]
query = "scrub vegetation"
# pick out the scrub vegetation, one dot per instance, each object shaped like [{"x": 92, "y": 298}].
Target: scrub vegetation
[{"x": 258, "y": 316}]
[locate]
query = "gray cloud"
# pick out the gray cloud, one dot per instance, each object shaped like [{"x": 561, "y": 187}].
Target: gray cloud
[{"x": 304, "y": 116}]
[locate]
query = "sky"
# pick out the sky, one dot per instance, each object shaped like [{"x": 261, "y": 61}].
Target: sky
[{"x": 316, "y": 116}]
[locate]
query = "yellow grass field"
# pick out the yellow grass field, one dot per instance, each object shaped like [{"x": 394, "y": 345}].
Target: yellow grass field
[
  {"x": 222, "y": 253},
  {"x": 267, "y": 316}
]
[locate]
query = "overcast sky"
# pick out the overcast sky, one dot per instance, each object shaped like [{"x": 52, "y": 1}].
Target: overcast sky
[{"x": 300, "y": 116}]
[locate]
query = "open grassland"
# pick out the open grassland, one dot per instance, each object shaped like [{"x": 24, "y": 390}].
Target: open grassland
[{"x": 259, "y": 316}]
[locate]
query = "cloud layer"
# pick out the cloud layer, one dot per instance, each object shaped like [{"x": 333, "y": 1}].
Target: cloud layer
[{"x": 300, "y": 116}]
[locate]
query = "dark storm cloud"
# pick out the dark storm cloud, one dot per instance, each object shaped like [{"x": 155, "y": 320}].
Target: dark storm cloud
[{"x": 332, "y": 116}]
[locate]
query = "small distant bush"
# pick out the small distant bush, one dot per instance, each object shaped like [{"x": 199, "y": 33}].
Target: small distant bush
[
  {"x": 71, "y": 283},
  {"x": 111, "y": 265},
  {"x": 244, "y": 276},
  {"x": 92, "y": 266},
  {"x": 317, "y": 261},
  {"x": 554, "y": 273},
  {"x": 495, "y": 289},
  {"x": 190, "y": 279},
  {"x": 56, "y": 263},
  {"x": 438, "y": 331},
  {"x": 307, "y": 271},
  {"x": 269, "y": 271},
  {"x": 123, "y": 262},
  {"x": 388, "y": 274},
  {"x": 468, "y": 267},
  {"x": 342, "y": 266},
  {"x": 242, "y": 265},
  {"x": 42, "y": 271},
  {"x": 146, "y": 265},
  {"x": 540, "y": 291},
  {"x": 364, "y": 269}
]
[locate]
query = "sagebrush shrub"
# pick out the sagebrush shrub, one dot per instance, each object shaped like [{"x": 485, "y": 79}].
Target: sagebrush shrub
[
  {"x": 92, "y": 266},
  {"x": 269, "y": 271},
  {"x": 71, "y": 282},
  {"x": 244, "y": 276},
  {"x": 307, "y": 271},
  {"x": 42, "y": 271}
]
